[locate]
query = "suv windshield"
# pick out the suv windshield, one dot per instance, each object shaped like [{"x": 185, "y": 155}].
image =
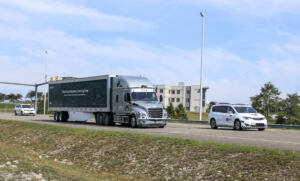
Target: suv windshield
[
  {"x": 245, "y": 110},
  {"x": 144, "y": 96},
  {"x": 26, "y": 106}
]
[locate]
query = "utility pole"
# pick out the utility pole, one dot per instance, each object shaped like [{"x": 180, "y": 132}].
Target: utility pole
[
  {"x": 45, "y": 90},
  {"x": 201, "y": 73}
]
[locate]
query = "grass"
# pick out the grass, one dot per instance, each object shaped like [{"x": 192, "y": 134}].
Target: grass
[
  {"x": 59, "y": 153},
  {"x": 195, "y": 116},
  {"x": 7, "y": 107}
]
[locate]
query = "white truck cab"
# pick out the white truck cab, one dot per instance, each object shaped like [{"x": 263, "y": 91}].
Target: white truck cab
[{"x": 236, "y": 116}]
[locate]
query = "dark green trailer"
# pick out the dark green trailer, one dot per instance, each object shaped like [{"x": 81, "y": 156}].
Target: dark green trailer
[{"x": 90, "y": 94}]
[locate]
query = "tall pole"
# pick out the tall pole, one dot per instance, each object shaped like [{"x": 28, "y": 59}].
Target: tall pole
[
  {"x": 201, "y": 73},
  {"x": 45, "y": 91}
]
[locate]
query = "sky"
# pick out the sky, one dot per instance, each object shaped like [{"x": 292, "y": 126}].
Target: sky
[{"x": 247, "y": 43}]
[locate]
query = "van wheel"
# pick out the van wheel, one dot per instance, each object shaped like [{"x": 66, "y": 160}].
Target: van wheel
[
  {"x": 133, "y": 122},
  {"x": 237, "y": 125},
  {"x": 261, "y": 129},
  {"x": 213, "y": 124},
  {"x": 22, "y": 114}
]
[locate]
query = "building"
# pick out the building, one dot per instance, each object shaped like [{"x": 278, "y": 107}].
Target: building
[{"x": 188, "y": 96}]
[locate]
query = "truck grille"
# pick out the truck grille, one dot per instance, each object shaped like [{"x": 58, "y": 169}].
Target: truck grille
[{"x": 155, "y": 112}]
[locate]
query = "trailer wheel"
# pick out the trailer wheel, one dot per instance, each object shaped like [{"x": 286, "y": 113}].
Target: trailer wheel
[{"x": 64, "y": 116}]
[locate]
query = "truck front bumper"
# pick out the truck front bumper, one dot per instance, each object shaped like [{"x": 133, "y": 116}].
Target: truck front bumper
[{"x": 152, "y": 123}]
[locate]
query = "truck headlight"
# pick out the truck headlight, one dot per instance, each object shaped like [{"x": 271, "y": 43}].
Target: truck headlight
[
  {"x": 165, "y": 114},
  {"x": 142, "y": 115}
]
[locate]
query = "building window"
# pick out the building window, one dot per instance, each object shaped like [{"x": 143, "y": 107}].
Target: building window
[
  {"x": 198, "y": 90},
  {"x": 188, "y": 91},
  {"x": 160, "y": 98},
  {"x": 177, "y": 99},
  {"x": 187, "y": 108},
  {"x": 173, "y": 91},
  {"x": 172, "y": 100},
  {"x": 187, "y": 99},
  {"x": 178, "y": 91},
  {"x": 161, "y": 91},
  {"x": 169, "y": 91}
]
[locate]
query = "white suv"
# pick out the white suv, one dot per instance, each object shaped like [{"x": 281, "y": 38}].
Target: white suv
[
  {"x": 24, "y": 109},
  {"x": 236, "y": 116}
]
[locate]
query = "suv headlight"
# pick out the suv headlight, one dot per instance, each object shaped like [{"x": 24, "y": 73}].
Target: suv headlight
[{"x": 245, "y": 117}]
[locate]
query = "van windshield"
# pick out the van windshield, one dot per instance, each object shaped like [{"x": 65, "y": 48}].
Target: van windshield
[
  {"x": 26, "y": 106},
  {"x": 144, "y": 96},
  {"x": 245, "y": 110}
]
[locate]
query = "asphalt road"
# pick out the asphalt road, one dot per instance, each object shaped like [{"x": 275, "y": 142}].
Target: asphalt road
[{"x": 270, "y": 138}]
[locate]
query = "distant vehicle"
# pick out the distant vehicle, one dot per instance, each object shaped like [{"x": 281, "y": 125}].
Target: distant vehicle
[
  {"x": 236, "y": 116},
  {"x": 24, "y": 109},
  {"x": 110, "y": 99}
]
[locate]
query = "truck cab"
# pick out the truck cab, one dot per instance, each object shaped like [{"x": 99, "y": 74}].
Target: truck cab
[{"x": 134, "y": 101}]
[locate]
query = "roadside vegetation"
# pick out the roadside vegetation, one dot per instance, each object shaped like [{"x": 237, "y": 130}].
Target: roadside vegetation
[
  {"x": 275, "y": 108},
  {"x": 8, "y": 102},
  {"x": 37, "y": 152}
]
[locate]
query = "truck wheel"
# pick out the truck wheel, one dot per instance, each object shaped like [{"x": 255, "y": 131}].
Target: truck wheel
[
  {"x": 107, "y": 120},
  {"x": 60, "y": 116},
  {"x": 133, "y": 122},
  {"x": 99, "y": 118}
]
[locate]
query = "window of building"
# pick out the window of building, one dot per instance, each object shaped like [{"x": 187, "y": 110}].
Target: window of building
[
  {"x": 198, "y": 90},
  {"x": 160, "y": 98},
  {"x": 178, "y": 91},
  {"x": 161, "y": 91},
  {"x": 187, "y": 108},
  {"x": 172, "y": 99},
  {"x": 188, "y": 91},
  {"x": 177, "y": 99},
  {"x": 169, "y": 91},
  {"x": 173, "y": 91},
  {"x": 117, "y": 98},
  {"x": 187, "y": 99}
]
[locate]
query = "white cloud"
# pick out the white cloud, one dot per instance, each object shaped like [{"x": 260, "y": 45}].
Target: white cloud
[{"x": 96, "y": 18}]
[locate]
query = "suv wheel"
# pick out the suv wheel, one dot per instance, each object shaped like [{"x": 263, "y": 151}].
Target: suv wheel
[
  {"x": 237, "y": 125},
  {"x": 16, "y": 113},
  {"x": 213, "y": 124}
]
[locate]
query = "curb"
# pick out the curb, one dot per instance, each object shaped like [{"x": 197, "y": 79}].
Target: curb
[{"x": 269, "y": 125}]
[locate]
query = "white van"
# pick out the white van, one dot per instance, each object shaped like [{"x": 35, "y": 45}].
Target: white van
[
  {"x": 24, "y": 109},
  {"x": 236, "y": 116}
]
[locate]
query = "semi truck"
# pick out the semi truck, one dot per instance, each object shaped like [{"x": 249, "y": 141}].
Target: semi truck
[{"x": 109, "y": 99}]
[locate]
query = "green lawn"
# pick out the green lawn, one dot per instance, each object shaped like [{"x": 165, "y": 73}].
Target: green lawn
[
  {"x": 195, "y": 116},
  {"x": 59, "y": 153}
]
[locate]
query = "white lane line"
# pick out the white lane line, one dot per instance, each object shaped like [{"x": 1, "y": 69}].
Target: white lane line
[{"x": 286, "y": 142}]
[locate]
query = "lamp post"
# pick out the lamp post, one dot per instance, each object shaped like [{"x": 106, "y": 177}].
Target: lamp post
[
  {"x": 201, "y": 73},
  {"x": 45, "y": 91}
]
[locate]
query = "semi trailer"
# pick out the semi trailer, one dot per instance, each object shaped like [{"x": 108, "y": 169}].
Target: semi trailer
[{"x": 109, "y": 99}]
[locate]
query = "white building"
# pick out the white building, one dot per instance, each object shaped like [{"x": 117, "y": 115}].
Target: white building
[{"x": 188, "y": 96}]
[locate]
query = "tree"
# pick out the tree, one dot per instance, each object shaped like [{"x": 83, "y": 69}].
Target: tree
[
  {"x": 267, "y": 101},
  {"x": 171, "y": 111},
  {"x": 180, "y": 112},
  {"x": 31, "y": 95},
  {"x": 290, "y": 110},
  {"x": 11, "y": 97},
  {"x": 2, "y": 97},
  {"x": 18, "y": 96}
]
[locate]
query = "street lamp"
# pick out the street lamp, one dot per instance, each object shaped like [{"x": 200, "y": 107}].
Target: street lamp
[
  {"x": 45, "y": 91},
  {"x": 201, "y": 73}
]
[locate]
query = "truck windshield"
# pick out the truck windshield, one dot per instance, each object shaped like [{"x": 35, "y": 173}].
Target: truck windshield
[
  {"x": 26, "y": 106},
  {"x": 144, "y": 96},
  {"x": 245, "y": 110}
]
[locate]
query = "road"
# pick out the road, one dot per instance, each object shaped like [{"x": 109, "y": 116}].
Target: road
[{"x": 270, "y": 138}]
